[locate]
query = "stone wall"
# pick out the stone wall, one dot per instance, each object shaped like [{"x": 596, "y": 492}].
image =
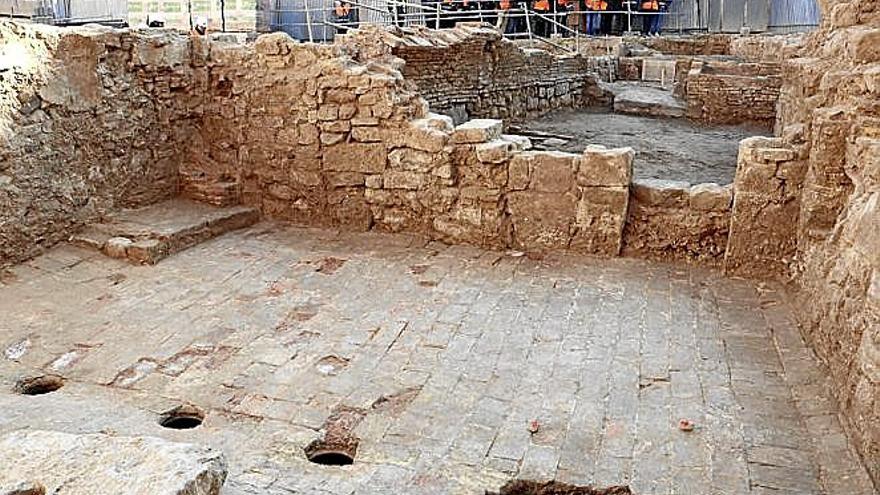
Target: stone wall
[
  {"x": 763, "y": 227},
  {"x": 90, "y": 120},
  {"x": 830, "y": 112},
  {"x": 733, "y": 93},
  {"x": 471, "y": 72},
  {"x": 707, "y": 44},
  {"x": 675, "y": 220}
]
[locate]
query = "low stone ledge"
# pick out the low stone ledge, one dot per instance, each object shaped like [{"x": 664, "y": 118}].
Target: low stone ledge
[
  {"x": 672, "y": 219},
  {"x": 662, "y": 193}
]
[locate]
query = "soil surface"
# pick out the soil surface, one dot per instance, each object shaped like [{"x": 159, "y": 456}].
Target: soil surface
[
  {"x": 524, "y": 487},
  {"x": 673, "y": 149}
]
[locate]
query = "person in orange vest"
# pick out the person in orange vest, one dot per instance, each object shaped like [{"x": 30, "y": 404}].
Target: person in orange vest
[
  {"x": 541, "y": 26},
  {"x": 509, "y": 22},
  {"x": 344, "y": 15},
  {"x": 650, "y": 8},
  {"x": 594, "y": 20}
]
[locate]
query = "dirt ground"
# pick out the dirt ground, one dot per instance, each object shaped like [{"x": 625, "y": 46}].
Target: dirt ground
[{"x": 674, "y": 149}]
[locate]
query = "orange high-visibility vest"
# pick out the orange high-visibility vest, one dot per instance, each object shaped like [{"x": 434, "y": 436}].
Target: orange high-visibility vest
[
  {"x": 597, "y": 5},
  {"x": 543, "y": 5},
  {"x": 651, "y": 5}
]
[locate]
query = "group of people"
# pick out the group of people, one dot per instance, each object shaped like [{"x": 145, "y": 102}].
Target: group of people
[
  {"x": 598, "y": 17},
  {"x": 593, "y": 17}
]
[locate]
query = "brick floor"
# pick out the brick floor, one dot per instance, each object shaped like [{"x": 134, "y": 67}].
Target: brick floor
[{"x": 270, "y": 328}]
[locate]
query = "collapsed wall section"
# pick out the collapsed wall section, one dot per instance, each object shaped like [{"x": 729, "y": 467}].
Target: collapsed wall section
[{"x": 91, "y": 120}]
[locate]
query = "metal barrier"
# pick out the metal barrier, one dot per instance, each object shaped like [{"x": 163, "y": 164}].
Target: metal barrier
[{"x": 309, "y": 20}]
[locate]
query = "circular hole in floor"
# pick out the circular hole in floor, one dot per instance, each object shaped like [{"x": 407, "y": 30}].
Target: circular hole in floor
[
  {"x": 331, "y": 458},
  {"x": 332, "y": 453},
  {"x": 182, "y": 418},
  {"x": 39, "y": 385}
]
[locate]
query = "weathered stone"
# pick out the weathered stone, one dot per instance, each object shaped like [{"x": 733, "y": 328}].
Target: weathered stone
[
  {"x": 711, "y": 197},
  {"x": 663, "y": 193},
  {"x": 541, "y": 220},
  {"x": 519, "y": 171},
  {"x": 116, "y": 247},
  {"x": 96, "y": 463},
  {"x": 496, "y": 151},
  {"x": 403, "y": 180},
  {"x": 477, "y": 131},
  {"x": 599, "y": 166},
  {"x": 368, "y": 158},
  {"x": 552, "y": 171},
  {"x": 600, "y": 218}
]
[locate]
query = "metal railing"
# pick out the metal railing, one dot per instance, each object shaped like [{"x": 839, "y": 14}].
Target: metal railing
[{"x": 309, "y": 20}]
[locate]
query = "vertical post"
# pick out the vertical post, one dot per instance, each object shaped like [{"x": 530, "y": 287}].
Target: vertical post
[
  {"x": 437, "y": 19},
  {"x": 308, "y": 21},
  {"x": 223, "y": 15},
  {"x": 629, "y": 17},
  {"x": 528, "y": 24},
  {"x": 394, "y": 12}
]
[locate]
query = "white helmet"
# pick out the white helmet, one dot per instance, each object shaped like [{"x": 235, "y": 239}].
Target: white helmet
[{"x": 200, "y": 24}]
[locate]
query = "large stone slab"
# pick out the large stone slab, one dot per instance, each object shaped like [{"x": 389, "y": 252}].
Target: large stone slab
[
  {"x": 649, "y": 101},
  {"x": 90, "y": 464}
]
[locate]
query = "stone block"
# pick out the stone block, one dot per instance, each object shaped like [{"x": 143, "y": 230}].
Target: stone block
[
  {"x": 600, "y": 166},
  {"x": 477, "y": 131},
  {"x": 774, "y": 154},
  {"x": 552, "y": 171},
  {"x": 599, "y": 221},
  {"x": 710, "y": 197},
  {"x": 541, "y": 220},
  {"x": 864, "y": 46},
  {"x": 394, "y": 179},
  {"x": 98, "y": 463},
  {"x": 661, "y": 193},
  {"x": 147, "y": 251},
  {"x": 117, "y": 247},
  {"x": 495, "y": 151},
  {"x": 520, "y": 143},
  {"x": 368, "y": 158},
  {"x": 519, "y": 171}
]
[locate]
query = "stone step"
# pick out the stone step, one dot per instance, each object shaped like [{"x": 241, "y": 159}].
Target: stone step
[
  {"x": 649, "y": 101},
  {"x": 206, "y": 188},
  {"x": 150, "y": 234}
]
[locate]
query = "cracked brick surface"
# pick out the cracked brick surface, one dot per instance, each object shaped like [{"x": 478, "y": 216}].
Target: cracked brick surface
[{"x": 569, "y": 367}]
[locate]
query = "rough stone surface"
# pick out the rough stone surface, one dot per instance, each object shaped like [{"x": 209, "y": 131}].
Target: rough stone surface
[
  {"x": 763, "y": 224},
  {"x": 828, "y": 113},
  {"x": 651, "y": 101},
  {"x": 85, "y": 464},
  {"x": 674, "y": 220}
]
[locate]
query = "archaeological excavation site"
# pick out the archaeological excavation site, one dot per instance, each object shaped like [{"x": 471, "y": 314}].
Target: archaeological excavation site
[{"x": 418, "y": 260}]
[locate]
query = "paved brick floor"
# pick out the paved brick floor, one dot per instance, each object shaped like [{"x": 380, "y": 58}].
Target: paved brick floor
[{"x": 270, "y": 328}]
